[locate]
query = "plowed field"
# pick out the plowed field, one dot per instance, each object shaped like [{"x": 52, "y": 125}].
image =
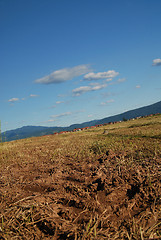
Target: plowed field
[{"x": 101, "y": 183}]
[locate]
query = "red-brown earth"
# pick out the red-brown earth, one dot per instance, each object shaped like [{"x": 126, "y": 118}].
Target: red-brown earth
[{"x": 85, "y": 185}]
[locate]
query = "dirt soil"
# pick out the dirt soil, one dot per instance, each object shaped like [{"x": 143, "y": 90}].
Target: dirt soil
[{"x": 93, "y": 198}]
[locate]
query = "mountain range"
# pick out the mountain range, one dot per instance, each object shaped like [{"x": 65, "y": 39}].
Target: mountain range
[{"x": 33, "y": 131}]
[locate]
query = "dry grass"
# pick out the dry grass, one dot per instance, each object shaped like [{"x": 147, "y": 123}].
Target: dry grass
[{"x": 83, "y": 185}]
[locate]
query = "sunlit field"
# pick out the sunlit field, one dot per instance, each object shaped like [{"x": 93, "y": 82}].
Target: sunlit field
[{"x": 100, "y": 183}]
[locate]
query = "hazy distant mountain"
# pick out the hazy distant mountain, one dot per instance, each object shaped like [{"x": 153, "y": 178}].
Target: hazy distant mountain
[
  {"x": 33, "y": 131},
  {"x": 143, "y": 111},
  {"x": 28, "y": 131}
]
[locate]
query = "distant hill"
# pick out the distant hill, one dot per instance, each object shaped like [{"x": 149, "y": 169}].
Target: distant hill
[
  {"x": 33, "y": 131},
  {"x": 28, "y": 131},
  {"x": 143, "y": 111}
]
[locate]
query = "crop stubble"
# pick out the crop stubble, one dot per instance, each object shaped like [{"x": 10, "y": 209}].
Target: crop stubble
[{"x": 83, "y": 185}]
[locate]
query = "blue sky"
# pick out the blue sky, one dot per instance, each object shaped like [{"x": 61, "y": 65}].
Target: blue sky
[{"x": 65, "y": 62}]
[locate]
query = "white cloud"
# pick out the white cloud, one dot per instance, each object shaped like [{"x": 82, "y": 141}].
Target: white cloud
[
  {"x": 109, "y": 79},
  {"x": 48, "y": 121},
  {"x": 33, "y": 95},
  {"x": 83, "y": 89},
  {"x": 61, "y": 115},
  {"x": 64, "y": 74},
  {"x": 107, "y": 102},
  {"x": 12, "y": 100},
  {"x": 59, "y": 102},
  {"x": 156, "y": 62},
  {"x": 101, "y": 75}
]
